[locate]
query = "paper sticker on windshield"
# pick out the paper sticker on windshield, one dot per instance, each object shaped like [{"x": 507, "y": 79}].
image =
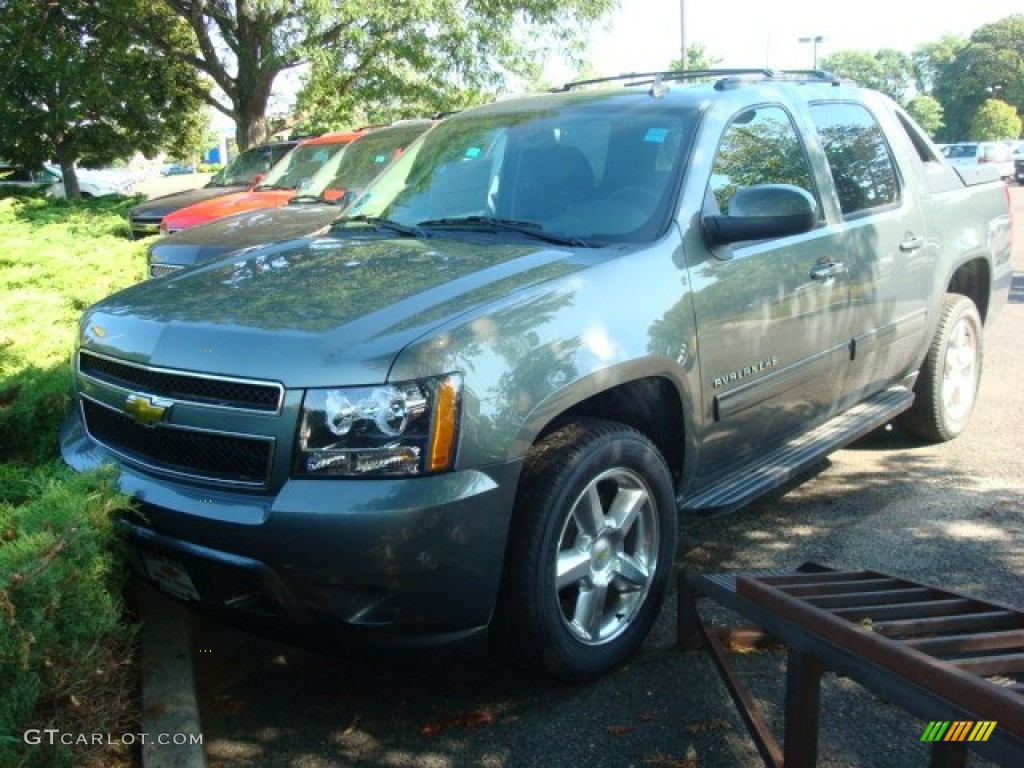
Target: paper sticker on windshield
[
  {"x": 380, "y": 159},
  {"x": 473, "y": 152},
  {"x": 656, "y": 135}
]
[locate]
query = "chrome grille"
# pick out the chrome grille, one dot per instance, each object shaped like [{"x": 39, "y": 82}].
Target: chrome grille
[
  {"x": 204, "y": 390},
  {"x": 159, "y": 270},
  {"x": 192, "y": 453}
]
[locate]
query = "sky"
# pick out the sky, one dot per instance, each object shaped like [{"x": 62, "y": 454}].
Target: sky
[{"x": 644, "y": 35}]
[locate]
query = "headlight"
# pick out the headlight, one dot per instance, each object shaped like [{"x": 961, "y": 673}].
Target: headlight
[{"x": 391, "y": 429}]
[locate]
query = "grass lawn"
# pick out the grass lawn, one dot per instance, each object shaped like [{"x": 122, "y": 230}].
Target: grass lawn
[{"x": 67, "y": 657}]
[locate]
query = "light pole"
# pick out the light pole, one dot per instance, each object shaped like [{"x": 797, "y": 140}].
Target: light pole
[
  {"x": 814, "y": 42},
  {"x": 682, "y": 34}
]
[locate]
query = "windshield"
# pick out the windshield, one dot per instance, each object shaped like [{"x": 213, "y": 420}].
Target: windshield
[
  {"x": 361, "y": 161},
  {"x": 244, "y": 168},
  {"x": 591, "y": 168},
  {"x": 299, "y": 165}
]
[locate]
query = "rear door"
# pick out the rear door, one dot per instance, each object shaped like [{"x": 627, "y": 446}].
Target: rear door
[
  {"x": 888, "y": 256},
  {"x": 773, "y": 330}
]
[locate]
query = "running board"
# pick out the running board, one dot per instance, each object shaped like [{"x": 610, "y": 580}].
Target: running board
[{"x": 798, "y": 455}]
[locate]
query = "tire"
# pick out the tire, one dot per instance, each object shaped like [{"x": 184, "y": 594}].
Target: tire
[
  {"x": 590, "y": 552},
  {"x": 947, "y": 385}
]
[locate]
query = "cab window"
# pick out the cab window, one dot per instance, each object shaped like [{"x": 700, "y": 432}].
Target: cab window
[{"x": 760, "y": 146}]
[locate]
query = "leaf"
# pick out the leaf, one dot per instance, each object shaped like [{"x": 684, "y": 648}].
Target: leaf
[{"x": 466, "y": 721}]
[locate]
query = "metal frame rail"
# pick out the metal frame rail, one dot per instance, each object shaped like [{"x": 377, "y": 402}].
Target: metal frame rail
[{"x": 937, "y": 654}]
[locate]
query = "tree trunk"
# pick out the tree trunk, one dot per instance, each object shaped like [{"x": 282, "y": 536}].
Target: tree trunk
[
  {"x": 251, "y": 129},
  {"x": 252, "y": 126},
  {"x": 67, "y": 170}
]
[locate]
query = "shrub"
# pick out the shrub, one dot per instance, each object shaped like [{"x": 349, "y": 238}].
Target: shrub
[
  {"x": 65, "y": 640},
  {"x": 61, "y": 580}
]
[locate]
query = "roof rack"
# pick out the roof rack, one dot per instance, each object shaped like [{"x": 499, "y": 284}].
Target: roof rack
[{"x": 726, "y": 77}]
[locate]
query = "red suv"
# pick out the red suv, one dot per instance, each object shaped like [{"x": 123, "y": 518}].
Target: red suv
[
  {"x": 280, "y": 185},
  {"x": 240, "y": 175}
]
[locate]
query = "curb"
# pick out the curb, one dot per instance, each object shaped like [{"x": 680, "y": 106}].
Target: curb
[{"x": 169, "y": 706}]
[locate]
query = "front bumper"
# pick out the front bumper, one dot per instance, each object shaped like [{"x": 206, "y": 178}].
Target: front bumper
[
  {"x": 383, "y": 563},
  {"x": 145, "y": 227}
]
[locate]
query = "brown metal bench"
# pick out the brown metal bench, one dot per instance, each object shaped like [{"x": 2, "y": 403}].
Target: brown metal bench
[{"x": 939, "y": 655}]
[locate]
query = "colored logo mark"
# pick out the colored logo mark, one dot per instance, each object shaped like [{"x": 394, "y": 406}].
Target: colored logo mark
[{"x": 959, "y": 730}]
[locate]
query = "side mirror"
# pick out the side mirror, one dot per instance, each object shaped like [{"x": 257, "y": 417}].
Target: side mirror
[{"x": 763, "y": 211}]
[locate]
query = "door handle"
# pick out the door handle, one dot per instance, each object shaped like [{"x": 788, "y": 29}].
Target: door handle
[
  {"x": 912, "y": 243},
  {"x": 827, "y": 269}
]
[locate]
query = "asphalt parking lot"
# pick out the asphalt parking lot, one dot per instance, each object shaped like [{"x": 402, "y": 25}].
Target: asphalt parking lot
[{"x": 950, "y": 515}]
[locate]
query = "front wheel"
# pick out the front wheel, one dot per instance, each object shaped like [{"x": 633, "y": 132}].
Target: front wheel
[
  {"x": 947, "y": 386},
  {"x": 591, "y": 550}
]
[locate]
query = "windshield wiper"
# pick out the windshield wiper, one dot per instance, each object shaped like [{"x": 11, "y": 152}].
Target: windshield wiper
[
  {"x": 381, "y": 223},
  {"x": 528, "y": 228}
]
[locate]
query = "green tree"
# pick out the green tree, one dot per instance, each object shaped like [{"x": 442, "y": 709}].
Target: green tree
[
  {"x": 991, "y": 64},
  {"x": 75, "y": 84},
  {"x": 897, "y": 74},
  {"x": 929, "y": 59},
  {"x": 697, "y": 57},
  {"x": 995, "y": 121},
  {"x": 886, "y": 70},
  {"x": 381, "y": 53},
  {"x": 927, "y": 111}
]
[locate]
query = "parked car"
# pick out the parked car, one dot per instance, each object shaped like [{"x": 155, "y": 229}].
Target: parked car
[
  {"x": 49, "y": 179},
  {"x": 93, "y": 182},
  {"x": 177, "y": 169},
  {"x": 18, "y": 178},
  {"x": 473, "y": 410},
  {"x": 279, "y": 186},
  {"x": 995, "y": 153},
  {"x": 242, "y": 173},
  {"x": 321, "y": 201}
]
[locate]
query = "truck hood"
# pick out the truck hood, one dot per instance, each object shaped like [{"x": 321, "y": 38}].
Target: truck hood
[
  {"x": 320, "y": 311},
  {"x": 243, "y": 230},
  {"x": 226, "y": 205},
  {"x": 161, "y": 206}
]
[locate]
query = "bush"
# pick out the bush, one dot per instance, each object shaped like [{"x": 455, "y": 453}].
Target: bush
[{"x": 65, "y": 641}]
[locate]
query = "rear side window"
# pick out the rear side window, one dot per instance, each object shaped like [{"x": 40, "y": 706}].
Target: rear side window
[{"x": 858, "y": 156}]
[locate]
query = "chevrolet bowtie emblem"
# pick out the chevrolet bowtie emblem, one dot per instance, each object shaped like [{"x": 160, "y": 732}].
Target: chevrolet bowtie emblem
[{"x": 147, "y": 409}]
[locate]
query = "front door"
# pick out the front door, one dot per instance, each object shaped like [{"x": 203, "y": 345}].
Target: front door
[{"x": 772, "y": 315}]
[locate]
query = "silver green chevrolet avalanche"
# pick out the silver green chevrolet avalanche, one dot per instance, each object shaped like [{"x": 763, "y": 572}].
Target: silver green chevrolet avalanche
[{"x": 476, "y": 407}]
